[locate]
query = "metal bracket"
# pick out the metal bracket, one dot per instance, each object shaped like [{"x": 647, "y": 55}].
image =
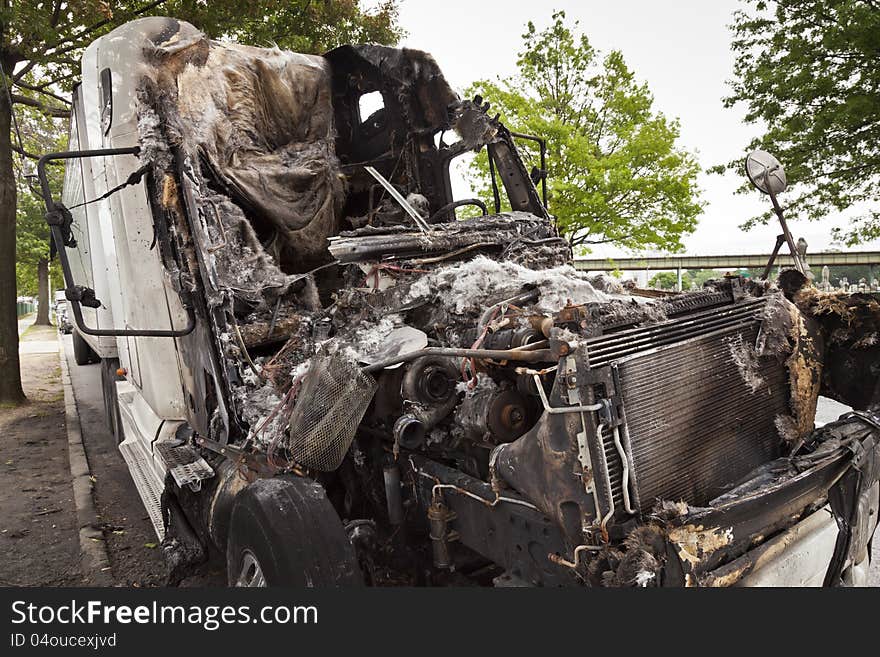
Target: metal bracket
[{"x": 78, "y": 295}]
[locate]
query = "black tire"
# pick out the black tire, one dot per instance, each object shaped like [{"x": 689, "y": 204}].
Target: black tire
[
  {"x": 289, "y": 526},
  {"x": 82, "y": 352},
  {"x": 111, "y": 402}
]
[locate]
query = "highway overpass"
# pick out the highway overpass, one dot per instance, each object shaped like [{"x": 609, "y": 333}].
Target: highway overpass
[{"x": 676, "y": 262}]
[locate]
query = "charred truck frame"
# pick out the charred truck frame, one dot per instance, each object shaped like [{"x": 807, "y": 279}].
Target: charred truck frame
[{"x": 316, "y": 368}]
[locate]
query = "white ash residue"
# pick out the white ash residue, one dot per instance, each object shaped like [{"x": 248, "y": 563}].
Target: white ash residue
[
  {"x": 255, "y": 405},
  {"x": 638, "y": 310},
  {"x": 484, "y": 384},
  {"x": 151, "y": 138},
  {"x": 300, "y": 370},
  {"x": 250, "y": 378},
  {"x": 605, "y": 283},
  {"x": 777, "y": 322},
  {"x": 746, "y": 360},
  {"x": 787, "y": 428},
  {"x": 466, "y": 286},
  {"x": 368, "y": 338},
  {"x": 645, "y": 578}
]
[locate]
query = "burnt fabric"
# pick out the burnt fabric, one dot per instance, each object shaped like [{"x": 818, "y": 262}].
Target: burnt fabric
[{"x": 261, "y": 123}]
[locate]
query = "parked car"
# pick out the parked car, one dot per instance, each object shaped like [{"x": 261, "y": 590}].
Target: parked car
[{"x": 61, "y": 318}]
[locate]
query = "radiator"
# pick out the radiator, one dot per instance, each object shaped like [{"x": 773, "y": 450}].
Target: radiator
[{"x": 696, "y": 426}]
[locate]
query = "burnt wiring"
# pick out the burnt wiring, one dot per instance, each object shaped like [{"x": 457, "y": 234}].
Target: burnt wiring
[
  {"x": 284, "y": 406},
  {"x": 244, "y": 351},
  {"x": 375, "y": 272}
]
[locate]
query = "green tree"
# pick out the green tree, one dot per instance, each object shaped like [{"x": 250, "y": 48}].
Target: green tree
[
  {"x": 32, "y": 252},
  {"x": 665, "y": 280},
  {"x": 40, "y": 45},
  {"x": 615, "y": 172},
  {"x": 697, "y": 277},
  {"x": 308, "y": 26},
  {"x": 691, "y": 279},
  {"x": 39, "y": 134},
  {"x": 808, "y": 71}
]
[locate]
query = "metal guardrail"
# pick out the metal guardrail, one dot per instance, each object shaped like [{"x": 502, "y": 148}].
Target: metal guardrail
[{"x": 815, "y": 260}]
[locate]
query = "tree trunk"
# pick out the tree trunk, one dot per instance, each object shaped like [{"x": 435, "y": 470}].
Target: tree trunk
[
  {"x": 10, "y": 374},
  {"x": 43, "y": 292}
]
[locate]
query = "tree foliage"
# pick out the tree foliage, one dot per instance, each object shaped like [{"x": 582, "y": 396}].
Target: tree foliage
[
  {"x": 615, "y": 172},
  {"x": 664, "y": 280},
  {"x": 809, "y": 70},
  {"x": 40, "y": 134},
  {"x": 309, "y": 26},
  {"x": 691, "y": 279}
]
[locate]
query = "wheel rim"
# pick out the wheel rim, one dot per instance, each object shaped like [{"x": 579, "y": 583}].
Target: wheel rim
[{"x": 251, "y": 574}]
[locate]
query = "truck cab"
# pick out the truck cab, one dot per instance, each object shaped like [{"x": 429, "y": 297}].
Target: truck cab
[{"x": 322, "y": 368}]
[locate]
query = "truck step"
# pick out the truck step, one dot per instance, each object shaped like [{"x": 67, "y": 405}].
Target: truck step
[
  {"x": 146, "y": 484},
  {"x": 184, "y": 464}
]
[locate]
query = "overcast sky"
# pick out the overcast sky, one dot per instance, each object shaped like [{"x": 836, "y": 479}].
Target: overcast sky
[{"x": 679, "y": 47}]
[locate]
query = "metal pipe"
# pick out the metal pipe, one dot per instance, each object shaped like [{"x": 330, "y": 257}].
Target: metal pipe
[
  {"x": 624, "y": 460},
  {"x": 528, "y": 295},
  {"x": 490, "y": 503},
  {"x": 409, "y": 431},
  {"x": 437, "y": 487},
  {"x": 610, "y": 512},
  {"x": 536, "y": 356},
  {"x": 244, "y": 351},
  {"x": 526, "y": 370},
  {"x": 576, "y": 556},
  {"x": 558, "y": 410},
  {"x": 788, "y": 238},
  {"x": 391, "y": 476},
  {"x": 780, "y": 240},
  {"x": 416, "y": 217}
]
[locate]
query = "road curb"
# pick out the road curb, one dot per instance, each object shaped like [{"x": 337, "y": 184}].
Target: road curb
[{"x": 93, "y": 549}]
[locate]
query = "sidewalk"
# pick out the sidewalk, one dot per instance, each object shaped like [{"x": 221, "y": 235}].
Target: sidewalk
[
  {"x": 39, "y": 536},
  {"x": 25, "y": 321}
]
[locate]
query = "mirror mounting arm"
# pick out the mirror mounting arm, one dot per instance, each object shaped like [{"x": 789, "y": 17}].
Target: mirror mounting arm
[
  {"x": 792, "y": 247},
  {"x": 79, "y": 295}
]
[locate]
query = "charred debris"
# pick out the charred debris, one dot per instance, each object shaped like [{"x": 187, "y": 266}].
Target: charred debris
[{"x": 456, "y": 384}]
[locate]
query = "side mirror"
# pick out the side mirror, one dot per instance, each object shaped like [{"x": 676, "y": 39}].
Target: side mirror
[{"x": 765, "y": 172}]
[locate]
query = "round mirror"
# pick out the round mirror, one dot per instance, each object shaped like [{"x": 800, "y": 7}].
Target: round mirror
[{"x": 765, "y": 172}]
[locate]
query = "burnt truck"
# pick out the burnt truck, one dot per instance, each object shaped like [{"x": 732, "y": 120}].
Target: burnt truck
[{"x": 318, "y": 369}]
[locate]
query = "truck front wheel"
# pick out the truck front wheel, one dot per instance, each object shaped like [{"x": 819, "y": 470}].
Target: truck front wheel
[
  {"x": 283, "y": 531},
  {"x": 82, "y": 352}
]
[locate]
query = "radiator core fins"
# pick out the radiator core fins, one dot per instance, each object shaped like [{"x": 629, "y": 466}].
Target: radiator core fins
[{"x": 699, "y": 420}]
